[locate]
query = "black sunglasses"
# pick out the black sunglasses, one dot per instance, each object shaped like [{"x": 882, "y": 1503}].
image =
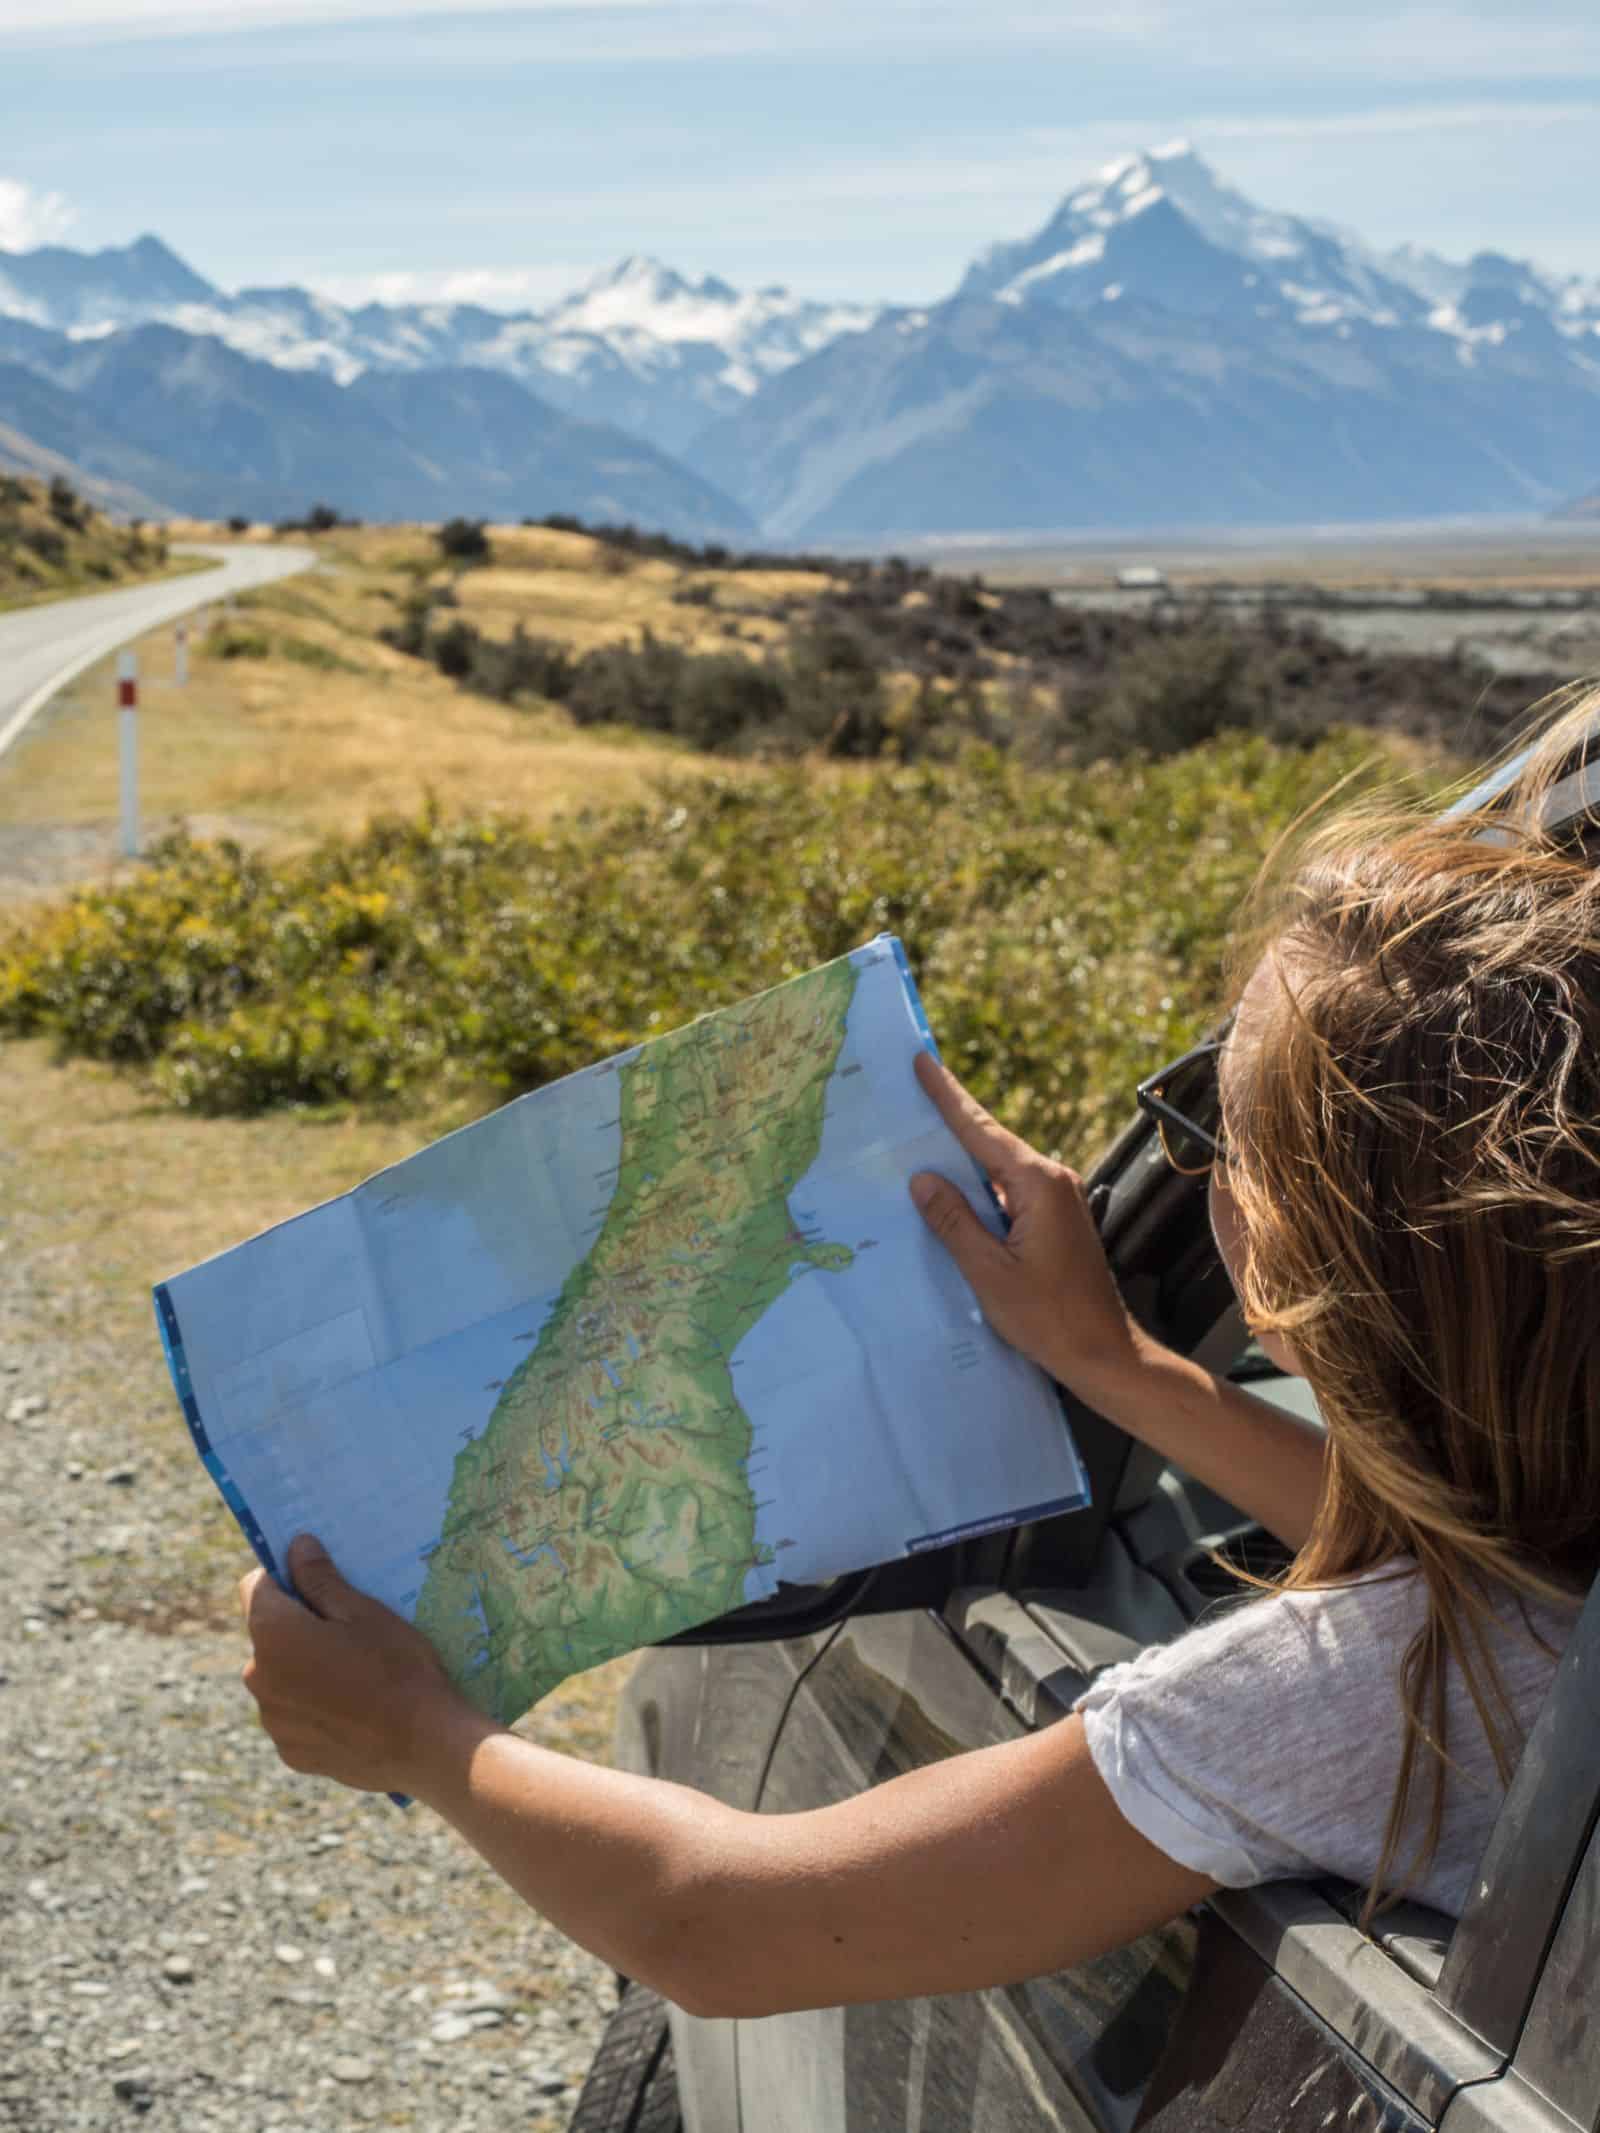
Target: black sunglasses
[{"x": 1184, "y": 1101}]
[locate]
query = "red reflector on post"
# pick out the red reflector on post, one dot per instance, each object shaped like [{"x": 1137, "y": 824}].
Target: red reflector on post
[{"x": 128, "y": 681}]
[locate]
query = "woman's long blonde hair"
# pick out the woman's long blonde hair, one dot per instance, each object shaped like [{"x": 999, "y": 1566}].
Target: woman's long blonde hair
[{"x": 1414, "y": 1144}]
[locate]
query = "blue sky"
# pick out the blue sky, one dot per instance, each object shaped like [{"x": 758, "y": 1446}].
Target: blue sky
[{"x": 863, "y": 148}]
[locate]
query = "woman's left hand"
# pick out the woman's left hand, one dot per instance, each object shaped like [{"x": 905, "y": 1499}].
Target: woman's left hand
[
  {"x": 1045, "y": 1285},
  {"x": 347, "y": 1688}
]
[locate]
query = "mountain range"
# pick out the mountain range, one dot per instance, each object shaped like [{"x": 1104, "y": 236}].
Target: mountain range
[{"x": 1162, "y": 352}]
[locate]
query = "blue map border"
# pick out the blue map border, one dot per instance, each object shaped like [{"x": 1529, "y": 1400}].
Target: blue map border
[
  {"x": 919, "y": 1014},
  {"x": 228, "y": 1488}
]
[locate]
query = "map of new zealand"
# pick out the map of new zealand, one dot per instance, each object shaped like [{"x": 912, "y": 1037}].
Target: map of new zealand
[{"x": 631, "y": 1351}]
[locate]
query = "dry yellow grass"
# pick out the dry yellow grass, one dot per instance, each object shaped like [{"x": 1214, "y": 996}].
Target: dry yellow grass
[
  {"x": 331, "y": 726},
  {"x": 50, "y": 553},
  {"x": 279, "y": 750},
  {"x": 128, "y": 1190},
  {"x": 563, "y": 585},
  {"x": 264, "y": 747}
]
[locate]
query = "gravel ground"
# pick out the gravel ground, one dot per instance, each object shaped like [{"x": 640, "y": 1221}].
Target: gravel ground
[
  {"x": 190, "y": 1937},
  {"x": 43, "y": 858}
]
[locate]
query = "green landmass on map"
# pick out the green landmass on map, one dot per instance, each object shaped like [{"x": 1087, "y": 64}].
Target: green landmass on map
[{"x": 606, "y": 1503}]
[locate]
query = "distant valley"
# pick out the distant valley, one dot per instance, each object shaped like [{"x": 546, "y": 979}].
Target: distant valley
[{"x": 1163, "y": 352}]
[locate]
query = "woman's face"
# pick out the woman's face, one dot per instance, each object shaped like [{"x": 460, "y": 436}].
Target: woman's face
[{"x": 1227, "y": 1224}]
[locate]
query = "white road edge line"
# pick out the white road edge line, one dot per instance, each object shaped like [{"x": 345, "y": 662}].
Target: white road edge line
[{"x": 81, "y": 665}]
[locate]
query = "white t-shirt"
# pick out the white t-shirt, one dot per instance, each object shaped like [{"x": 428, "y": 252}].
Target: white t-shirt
[{"x": 1265, "y": 1743}]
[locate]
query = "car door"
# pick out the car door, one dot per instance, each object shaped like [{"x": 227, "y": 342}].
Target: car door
[{"x": 893, "y": 1692}]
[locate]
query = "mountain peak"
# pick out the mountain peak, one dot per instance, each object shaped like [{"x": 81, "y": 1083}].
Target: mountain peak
[
  {"x": 637, "y": 270},
  {"x": 1175, "y": 164},
  {"x": 1099, "y": 246},
  {"x": 88, "y": 292},
  {"x": 150, "y": 250}
]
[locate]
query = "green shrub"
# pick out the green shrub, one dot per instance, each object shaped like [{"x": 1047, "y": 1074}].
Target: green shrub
[
  {"x": 630, "y": 685},
  {"x": 226, "y": 640},
  {"x": 454, "y": 650},
  {"x": 834, "y": 695},
  {"x": 722, "y": 699},
  {"x": 1172, "y": 692},
  {"x": 66, "y": 506},
  {"x": 521, "y": 665},
  {"x": 1068, "y": 928},
  {"x": 463, "y": 540},
  {"x": 302, "y": 652}
]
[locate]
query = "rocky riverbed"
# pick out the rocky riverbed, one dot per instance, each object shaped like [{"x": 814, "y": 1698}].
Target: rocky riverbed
[{"x": 191, "y": 1938}]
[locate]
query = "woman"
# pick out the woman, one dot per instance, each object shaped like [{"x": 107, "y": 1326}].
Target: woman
[{"x": 1403, "y": 1146}]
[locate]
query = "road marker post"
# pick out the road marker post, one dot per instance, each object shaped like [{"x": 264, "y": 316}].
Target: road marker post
[
  {"x": 180, "y": 655},
  {"x": 128, "y": 703}
]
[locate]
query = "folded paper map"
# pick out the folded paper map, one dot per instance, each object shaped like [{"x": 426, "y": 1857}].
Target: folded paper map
[{"x": 631, "y": 1351}]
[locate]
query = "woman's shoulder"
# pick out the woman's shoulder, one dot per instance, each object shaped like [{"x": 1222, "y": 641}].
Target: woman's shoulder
[
  {"x": 1289, "y": 1630},
  {"x": 1325, "y": 1649},
  {"x": 1222, "y": 1746}
]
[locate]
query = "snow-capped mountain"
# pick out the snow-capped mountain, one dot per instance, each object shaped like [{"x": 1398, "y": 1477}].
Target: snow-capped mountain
[
  {"x": 641, "y": 307},
  {"x": 200, "y": 427},
  {"x": 94, "y": 292},
  {"x": 641, "y": 346},
  {"x": 1163, "y": 350},
  {"x": 1164, "y": 228}
]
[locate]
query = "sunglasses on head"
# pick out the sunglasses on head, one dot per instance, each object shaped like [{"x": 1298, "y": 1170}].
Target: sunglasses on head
[{"x": 1184, "y": 1101}]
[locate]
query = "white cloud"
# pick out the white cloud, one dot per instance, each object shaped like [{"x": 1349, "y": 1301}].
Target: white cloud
[
  {"x": 28, "y": 218},
  {"x": 496, "y": 288},
  {"x": 1449, "y": 40},
  {"x": 166, "y": 18},
  {"x": 67, "y": 20}
]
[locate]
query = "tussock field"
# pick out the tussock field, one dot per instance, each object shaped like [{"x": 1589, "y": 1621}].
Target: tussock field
[
  {"x": 560, "y": 672},
  {"x": 297, "y": 719},
  {"x": 53, "y": 542}
]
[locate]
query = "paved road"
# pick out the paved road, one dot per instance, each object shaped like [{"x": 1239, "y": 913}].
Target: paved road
[{"x": 43, "y": 648}]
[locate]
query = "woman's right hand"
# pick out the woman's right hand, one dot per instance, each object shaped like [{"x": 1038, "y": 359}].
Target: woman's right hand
[{"x": 1045, "y": 1286}]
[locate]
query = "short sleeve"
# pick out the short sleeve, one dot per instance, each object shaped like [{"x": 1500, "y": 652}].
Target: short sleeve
[{"x": 1265, "y": 1743}]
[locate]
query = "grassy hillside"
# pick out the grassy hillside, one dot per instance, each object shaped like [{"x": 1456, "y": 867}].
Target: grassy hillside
[
  {"x": 856, "y": 659},
  {"x": 298, "y": 719},
  {"x": 53, "y": 542},
  {"x": 565, "y": 671}
]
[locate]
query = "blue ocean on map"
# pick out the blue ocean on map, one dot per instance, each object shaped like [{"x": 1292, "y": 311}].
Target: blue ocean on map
[{"x": 893, "y": 1341}]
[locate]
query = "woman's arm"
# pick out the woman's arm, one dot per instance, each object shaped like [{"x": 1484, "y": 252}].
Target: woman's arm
[
  {"x": 1045, "y": 1287},
  {"x": 1002, "y": 1864},
  {"x": 1270, "y": 1464}
]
